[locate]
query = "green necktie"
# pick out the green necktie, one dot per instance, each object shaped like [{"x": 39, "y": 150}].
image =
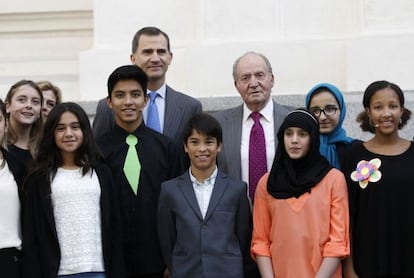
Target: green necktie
[{"x": 132, "y": 167}]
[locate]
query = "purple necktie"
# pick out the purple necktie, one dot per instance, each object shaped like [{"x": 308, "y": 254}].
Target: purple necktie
[{"x": 257, "y": 153}]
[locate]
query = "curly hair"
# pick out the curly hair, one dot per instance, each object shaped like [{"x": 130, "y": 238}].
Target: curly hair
[{"x": 363, "y": 118}]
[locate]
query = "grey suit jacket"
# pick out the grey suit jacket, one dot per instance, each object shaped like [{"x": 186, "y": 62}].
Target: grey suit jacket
[
  {"x": 178, "y": 110},
  {"x": 215, "y": 246},
  {"x": 229, "y": 159}
]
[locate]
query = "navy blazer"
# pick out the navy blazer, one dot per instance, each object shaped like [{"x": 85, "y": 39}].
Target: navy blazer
[
  {"x": 214, "y": 246},
  {"x": 41, "y": 253}
]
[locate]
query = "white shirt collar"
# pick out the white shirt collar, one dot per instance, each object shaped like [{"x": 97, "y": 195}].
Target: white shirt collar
[
  {"x": 266, "y": 112},
  {"x": 209, "y": 180},
  {"x": 161, "y": 91}
]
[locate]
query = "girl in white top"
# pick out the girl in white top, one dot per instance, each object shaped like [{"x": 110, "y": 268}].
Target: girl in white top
[
  {"x": 11, "y": 177},
  {"x": 71, "y": 221}
]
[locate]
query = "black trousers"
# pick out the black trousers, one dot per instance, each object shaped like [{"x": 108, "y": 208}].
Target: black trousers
[
  {"x": 10, "y": 263},
  {"x": 154, "y": 275}
]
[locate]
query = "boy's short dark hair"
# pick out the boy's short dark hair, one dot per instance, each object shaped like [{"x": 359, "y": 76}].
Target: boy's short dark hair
[
  {"x": 204, "y": 124},
  {"x": 128, "y": 72}
]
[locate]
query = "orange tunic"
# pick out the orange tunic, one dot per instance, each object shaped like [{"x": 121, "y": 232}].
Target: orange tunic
[{"x": 297, "y": 233}]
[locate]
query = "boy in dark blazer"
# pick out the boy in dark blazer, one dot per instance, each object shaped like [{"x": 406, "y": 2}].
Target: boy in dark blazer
[{"x": 204, "y": 222}]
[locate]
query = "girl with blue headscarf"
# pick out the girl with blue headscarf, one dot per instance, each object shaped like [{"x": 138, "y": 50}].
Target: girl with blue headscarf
[{"x": 327, "y": 103}]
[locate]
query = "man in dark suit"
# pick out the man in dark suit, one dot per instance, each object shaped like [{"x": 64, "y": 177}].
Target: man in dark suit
[
  {"x": 253, "y": 78},
  {"x": 204, "y": 219},
  {"x": 151, "y": 52},
  {"x": 140, "y": 159}
]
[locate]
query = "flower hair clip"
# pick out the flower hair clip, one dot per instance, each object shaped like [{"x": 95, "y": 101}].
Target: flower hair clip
[{"x": 367, "y": 171}]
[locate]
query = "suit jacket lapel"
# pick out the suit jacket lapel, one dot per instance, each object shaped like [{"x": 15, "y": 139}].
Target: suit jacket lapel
[
  {"x": 278, "y": 119},
  {"x": 171, "y": 115},
  {"x": 234, "y": 126},
  {"x": 219, "y": 187},
  {"x": 186, "y": 188}
]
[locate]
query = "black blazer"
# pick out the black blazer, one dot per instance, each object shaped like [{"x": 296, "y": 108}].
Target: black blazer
[
  {"x": 18, "y": 169},
  {"x": 41, "y": 252}
]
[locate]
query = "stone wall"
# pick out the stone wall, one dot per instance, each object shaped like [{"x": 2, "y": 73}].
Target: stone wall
[
  {"x": 42, "y": 39},
  {"x": 347, "y": 43}
]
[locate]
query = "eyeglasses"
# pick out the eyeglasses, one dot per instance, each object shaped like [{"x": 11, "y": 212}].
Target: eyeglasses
[{"x": 328, "y": 110}]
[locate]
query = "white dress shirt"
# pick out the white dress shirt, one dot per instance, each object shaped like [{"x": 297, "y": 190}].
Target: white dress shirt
[
  {"x": 267, "y": 121},
  {"x": 10, "y": 233},
  {"x": 203, "y": 190}
]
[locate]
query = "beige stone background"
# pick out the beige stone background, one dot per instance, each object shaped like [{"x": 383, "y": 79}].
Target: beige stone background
[{"x": 349, "y": 43}]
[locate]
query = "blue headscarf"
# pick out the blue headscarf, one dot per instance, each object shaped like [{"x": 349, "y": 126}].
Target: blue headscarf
[{"x": 338, "y": 135}]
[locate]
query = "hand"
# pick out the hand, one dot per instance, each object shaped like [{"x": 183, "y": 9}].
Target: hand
[{"x": 166, "y": 273}]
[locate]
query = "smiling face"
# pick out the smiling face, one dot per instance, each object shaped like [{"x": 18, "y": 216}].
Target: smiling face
[
  {"x": 128, "y": 101},
  {"x": 327, "y": 102},
  {"x": 49, "y": 101},
  {"x": 68, "y": 135},
  {"x": 24, "y": 106},
  {"x": 202, "y": 151},
  {"x": 297, "y": 142},
  {"x": 254, "y": 81},
  {"x": 385, "y": 111},
  {"x": 153, "y": 57}
]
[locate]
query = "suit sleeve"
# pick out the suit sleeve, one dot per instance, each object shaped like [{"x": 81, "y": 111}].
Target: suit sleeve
[
  {"x": 176, "y": 157},
  {"x": 104, "y": 119},
  {"x": 30, "y": 260},
  {"x": 166, "y": 225},
  {"x": 198, "y": 108},
  {"x": 117, "y": 254},
  {"x": 244, "y": 223}
]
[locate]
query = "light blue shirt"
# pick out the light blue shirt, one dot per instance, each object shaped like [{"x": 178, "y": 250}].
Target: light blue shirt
[{"x": 160, "y": 102}]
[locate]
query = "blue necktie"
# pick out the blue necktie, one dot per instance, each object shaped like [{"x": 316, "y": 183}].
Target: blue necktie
[{"x": 153, "y": 120}]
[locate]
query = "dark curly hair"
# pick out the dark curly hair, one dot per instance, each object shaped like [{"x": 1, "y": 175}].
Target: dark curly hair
[{"x": 363, "y": 119}]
